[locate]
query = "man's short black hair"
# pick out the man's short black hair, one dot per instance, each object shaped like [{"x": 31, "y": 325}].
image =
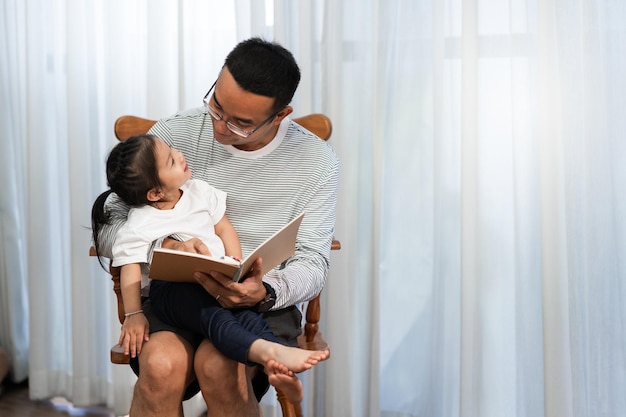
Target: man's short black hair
[{"x": 264, "y": 68}]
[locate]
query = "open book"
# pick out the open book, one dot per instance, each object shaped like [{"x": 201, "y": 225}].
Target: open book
[{"x": 174, "y": 265}]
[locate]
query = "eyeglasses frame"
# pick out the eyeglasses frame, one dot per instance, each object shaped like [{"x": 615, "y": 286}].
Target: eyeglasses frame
[{"x": 233, "y": 128}]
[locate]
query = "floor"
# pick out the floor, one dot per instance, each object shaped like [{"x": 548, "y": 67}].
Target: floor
[{"x": 14, "y": 402}]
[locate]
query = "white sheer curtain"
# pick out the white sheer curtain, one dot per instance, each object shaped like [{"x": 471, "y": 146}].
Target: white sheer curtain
[
  {"x": 69, "y": 68},
  {"x": 480, "y": 206}
]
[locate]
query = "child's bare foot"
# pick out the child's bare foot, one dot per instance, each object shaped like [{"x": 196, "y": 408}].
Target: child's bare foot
[
  {"x": 287, "y": 381},
  {"x": 295, "y": 359}
]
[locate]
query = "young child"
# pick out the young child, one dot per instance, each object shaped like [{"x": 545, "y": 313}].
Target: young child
[{"x": 155, "y": 181}]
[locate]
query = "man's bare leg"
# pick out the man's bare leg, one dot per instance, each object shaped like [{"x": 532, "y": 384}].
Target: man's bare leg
[
  {"x": 225, "y": 384},
  {"x": 166, "y": 367}
]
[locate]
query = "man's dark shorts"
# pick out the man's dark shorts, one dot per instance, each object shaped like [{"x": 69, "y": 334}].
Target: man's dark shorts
[{"x": 285, "y": 324}]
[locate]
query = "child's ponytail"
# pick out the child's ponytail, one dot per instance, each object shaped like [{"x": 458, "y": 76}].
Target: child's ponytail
[{"x": 99, "y": 217}]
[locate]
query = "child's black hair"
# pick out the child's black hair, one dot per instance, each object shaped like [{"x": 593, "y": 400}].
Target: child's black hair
[{"x": 131, "y": 172}]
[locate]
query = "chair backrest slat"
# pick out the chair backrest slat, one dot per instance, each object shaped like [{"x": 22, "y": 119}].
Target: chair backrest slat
[{"x": 127, "y": 126}]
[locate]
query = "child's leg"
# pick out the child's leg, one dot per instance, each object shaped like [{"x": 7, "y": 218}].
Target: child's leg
[
  {"x": 287, "y": 382},
  {"x": 180, "y": 304},
  {"x": 233, "y": 332},
  {"x": 189, "y": 306},
  {"x": 241, "y": 335},
  {"x": 295, "y": 359}
]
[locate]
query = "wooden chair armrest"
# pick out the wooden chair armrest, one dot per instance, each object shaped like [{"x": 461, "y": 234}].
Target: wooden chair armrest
[
  {"x": 311, "y": 338},
  {"x": 118, "y": 356}
]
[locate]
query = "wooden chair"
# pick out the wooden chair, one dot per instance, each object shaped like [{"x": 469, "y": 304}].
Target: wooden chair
[{"x": 311, "y": 338}]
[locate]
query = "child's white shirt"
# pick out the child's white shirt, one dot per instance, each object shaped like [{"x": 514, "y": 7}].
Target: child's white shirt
[{"x": 200, "y": 207}]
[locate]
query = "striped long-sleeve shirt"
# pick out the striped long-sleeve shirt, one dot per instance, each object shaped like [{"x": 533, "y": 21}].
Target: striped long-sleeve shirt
[{"x": 297, "y": 172}]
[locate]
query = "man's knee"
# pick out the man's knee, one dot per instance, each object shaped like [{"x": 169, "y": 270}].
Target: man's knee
[
  {"x": 211, "y": 365},
  {"x": 219, "y": 375},
  {"x": 164, "y": 365},
  {"x": 225, "y": 383}
]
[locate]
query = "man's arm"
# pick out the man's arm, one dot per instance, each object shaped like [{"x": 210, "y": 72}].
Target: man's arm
[{"x": 304, "y": 274}]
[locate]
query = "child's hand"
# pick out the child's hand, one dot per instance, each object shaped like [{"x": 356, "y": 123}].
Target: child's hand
[
  {"x": 135, "y": 331},
  {"x": 193, "y": 245}
]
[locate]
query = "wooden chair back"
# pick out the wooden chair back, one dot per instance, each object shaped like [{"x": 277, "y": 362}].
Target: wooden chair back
[{"x": 311, "y": 338}]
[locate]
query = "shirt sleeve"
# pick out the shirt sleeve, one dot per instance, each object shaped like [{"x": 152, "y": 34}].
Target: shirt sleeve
[
  {"x": 130, "y": 247},
  {"x": 304, "y": 275},
  {"x": 215, "y": 199}
]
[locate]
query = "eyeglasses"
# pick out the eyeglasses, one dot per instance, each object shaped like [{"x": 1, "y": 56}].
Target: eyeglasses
[{"x": 232, "y": 127}]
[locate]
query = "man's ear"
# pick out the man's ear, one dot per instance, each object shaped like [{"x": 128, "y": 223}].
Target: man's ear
[
  {"x": 154, "y": 194},
  {"x": 282, "y": 114}
]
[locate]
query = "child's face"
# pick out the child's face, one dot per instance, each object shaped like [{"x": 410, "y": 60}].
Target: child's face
[{"x": 172, "y": 167}]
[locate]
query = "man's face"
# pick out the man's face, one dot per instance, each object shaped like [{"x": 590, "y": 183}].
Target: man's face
[{"x": 245, "y": 112}]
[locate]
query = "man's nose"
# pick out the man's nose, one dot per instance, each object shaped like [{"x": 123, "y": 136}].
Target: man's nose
[{"x": 221, "y": 127}]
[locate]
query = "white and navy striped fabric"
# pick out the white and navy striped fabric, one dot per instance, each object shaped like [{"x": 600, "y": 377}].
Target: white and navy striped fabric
[{"x": 297, "y": 172}]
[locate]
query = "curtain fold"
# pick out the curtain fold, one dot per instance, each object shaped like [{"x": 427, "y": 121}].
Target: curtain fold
[
  {"x": 14, "y": 313},
  {"x": 481, "y": 207}
]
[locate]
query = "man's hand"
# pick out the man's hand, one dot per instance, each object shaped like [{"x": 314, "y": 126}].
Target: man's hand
[
  {"x": 230, "y": 294},
  {"x": 193, "y": 245}
]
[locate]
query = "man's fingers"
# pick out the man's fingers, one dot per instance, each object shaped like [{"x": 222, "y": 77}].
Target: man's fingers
[
  {"x": 207, "y": 282},
  {"x": 255, "y": 272},
  {"x": 214, "y": 288}
]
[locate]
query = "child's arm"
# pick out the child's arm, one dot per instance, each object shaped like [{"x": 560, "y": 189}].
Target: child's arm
[
  {"x": 135, "y": 329},
  {"x": 225, "y": 230}
]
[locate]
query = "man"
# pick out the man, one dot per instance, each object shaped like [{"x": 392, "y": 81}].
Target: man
[{"x": 242, "y": 142}]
